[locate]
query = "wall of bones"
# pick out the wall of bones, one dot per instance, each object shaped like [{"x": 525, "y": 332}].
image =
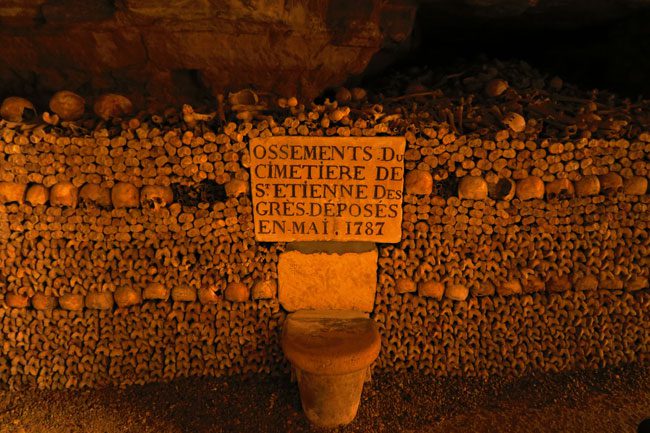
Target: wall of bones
[{"x": 128, "y": 253}]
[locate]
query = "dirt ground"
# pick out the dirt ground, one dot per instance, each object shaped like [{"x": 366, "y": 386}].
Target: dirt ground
[{"x": 611, "y": 400}]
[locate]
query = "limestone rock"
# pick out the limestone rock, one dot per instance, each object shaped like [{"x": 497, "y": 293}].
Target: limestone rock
[
  {"x": 158, "y": 46},
  {"x": 332, "y": 275},
  {"x": 237, "y": 292},
  {"x": 332, "y": 342},
  {"x": 331, "y": 351},
  {"x": 473, "y": 188},
  {"x": 405, "y": 285},
  {"x": 418, "y": 182},
  {"x": 431, "y": 289},
  {"x": 531, "y": 187},
  {"x": 264, "y": 289}
]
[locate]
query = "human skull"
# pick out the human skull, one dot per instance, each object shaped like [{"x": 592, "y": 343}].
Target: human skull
[
  {"x": 635, "y": 185},
  {"x": 504, "y": 189},
  {"x": 12, "y": 192},
  {"x": 473, "y": 187},
  {"x": 515, "y": 121},
  {"x": 243, "y": 97},
  {"x": 611, "y": 183},
  {"x": 15, "y": 109},
  {"x": 588, "y": 185},
  {"x": 495, "y": 87},
  {"x": 64, "y": 194},
  {"x": 156, "y": 291},
  {"x": 92, "y": 194},
  {"x": 208, "y": 295},
  {"x": 265, "y": 289},
  {"x": 124, "y": 194},
  {"x": 37, "y": 194},
  {"x": 156, "y": 196},
  {"x": 531, "y": 187},
  {"x": 127, "y": 296},
  {"x": 111, "y": 105},
  {"x": 67, "y": 105},
  {"x": 559, "y": 188}
]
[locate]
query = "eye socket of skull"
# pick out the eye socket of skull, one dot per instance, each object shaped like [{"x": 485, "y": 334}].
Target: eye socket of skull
[
  {"x": 29, "y": 114},
  {"x": 564, "y": 193},
  {"x": 503, "y": 188}
]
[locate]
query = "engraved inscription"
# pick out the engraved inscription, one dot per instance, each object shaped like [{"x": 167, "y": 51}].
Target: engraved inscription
[{"x": 327, "y": 188}]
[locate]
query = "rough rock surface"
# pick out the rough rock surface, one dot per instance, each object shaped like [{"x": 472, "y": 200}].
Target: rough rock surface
[
  {"x": 185, "y": 50},
  {"x": 200, "y": 45},
  {"x": 338, "y": 276}
]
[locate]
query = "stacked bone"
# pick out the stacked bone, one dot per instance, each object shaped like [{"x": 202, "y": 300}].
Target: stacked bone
[
  {"x": 139, "y": 154},
  {"x": 507, "y": 202},
  {"x": 187, "y": 253},
  {"x": 513, "y": 335},
  {"x": 521, "y": 235},
  {"x": 145, "y": 343}
]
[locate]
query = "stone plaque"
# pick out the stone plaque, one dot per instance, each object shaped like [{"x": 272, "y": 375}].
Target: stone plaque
[{"x": 327, "y": 188}]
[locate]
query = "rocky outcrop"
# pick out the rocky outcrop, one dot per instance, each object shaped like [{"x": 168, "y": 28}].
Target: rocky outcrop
[
  {"x": 186, "y": 49},
  {"x": 183, "y": 51}
]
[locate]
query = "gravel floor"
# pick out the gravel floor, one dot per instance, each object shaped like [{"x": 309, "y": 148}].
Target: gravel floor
[{"x": 612, "y": 400}]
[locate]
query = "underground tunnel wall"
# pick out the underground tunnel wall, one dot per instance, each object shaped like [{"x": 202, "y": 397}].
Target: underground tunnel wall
[{"x": 549, "y": 276}]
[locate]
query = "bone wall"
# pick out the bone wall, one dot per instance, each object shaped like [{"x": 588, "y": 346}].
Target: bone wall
[{"x": 524, "y": 244}]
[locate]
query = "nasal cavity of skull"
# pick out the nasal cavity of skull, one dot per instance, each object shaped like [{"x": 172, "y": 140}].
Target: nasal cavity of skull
[{"x": 153, "y": 203}]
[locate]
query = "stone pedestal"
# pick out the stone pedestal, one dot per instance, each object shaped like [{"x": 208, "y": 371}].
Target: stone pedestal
[
  {"x": 331, "y": 352},
  {"x": 328, "y": 275},
  {"x": 330, "y": 401}
]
